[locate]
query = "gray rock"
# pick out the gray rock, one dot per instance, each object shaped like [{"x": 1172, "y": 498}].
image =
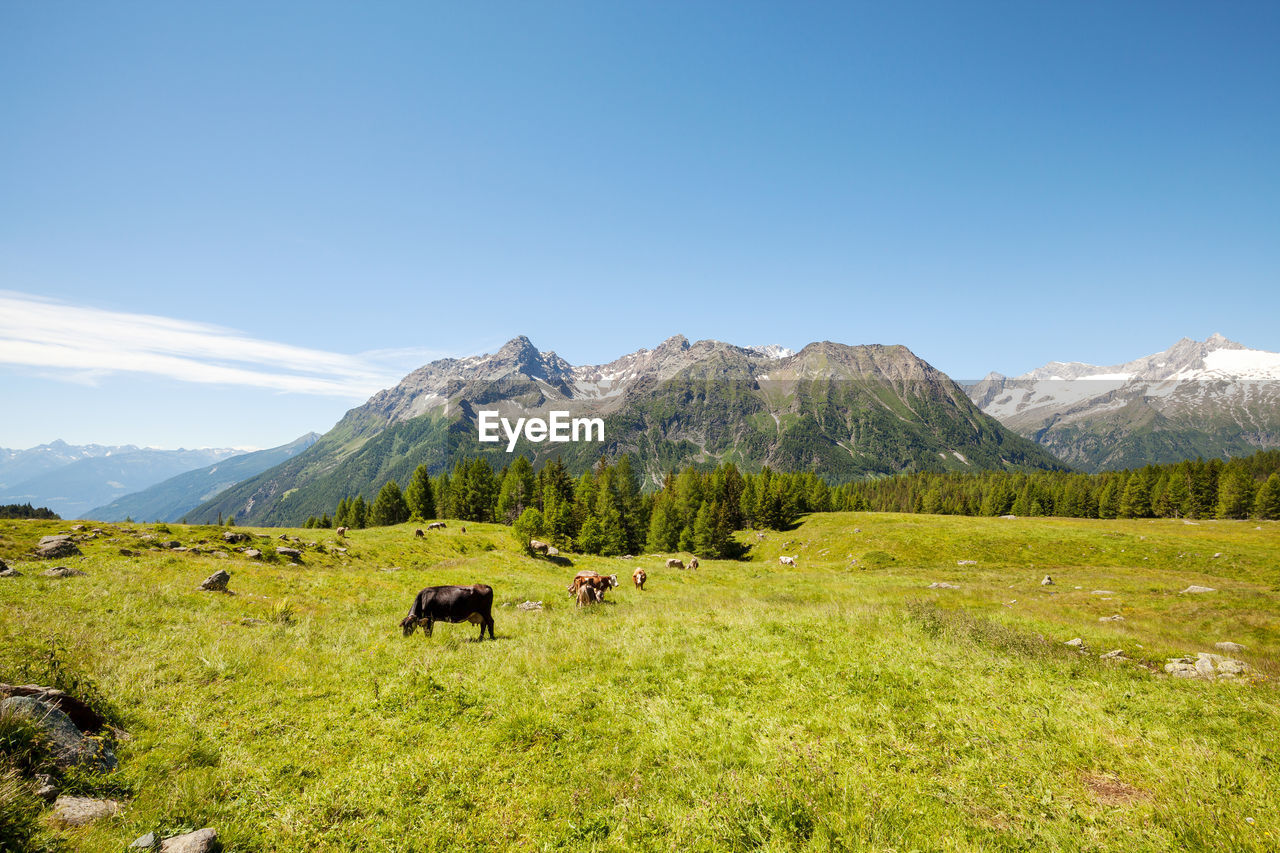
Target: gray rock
[
  {"x": 234, "y": 536},
  {"x": 7, "y": 572},
  {"x": 46, "y": 788},
  {"x": 1102, "y": 592},
  {"x": 1207, "y": 666},
  {"x": 1114, "y": 654},
  {"x": 145, "y": 842},
  {"x": 69, "y": 745},
  {"x": 942, "y": 585},
  {"x": 62, "y": 572},
  {"x": 217, "y": 582},
  {"x": 1048, "y": 581},
  {"x": 252, "y": 553},
  {"x": 966, "y": 562},
  {"x": 201, "y": 841},
  {"x": 78, "y": 811},
  {"x": 1234, "y": 648},
  {"x": 1075, "y": 643},
  {"x": 1116, "y": 618},
  {"x": 55, "y": 547},
  {"x": 529, "y": 605},
  {"x": 1195, "y": 588},
  {"x": 291, "y": 553}
]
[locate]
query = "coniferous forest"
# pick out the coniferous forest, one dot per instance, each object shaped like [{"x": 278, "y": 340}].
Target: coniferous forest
[{"x": 605, "y": 511}]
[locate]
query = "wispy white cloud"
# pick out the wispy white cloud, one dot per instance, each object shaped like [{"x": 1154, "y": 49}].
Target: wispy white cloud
[{"x": 81, "y": 344}]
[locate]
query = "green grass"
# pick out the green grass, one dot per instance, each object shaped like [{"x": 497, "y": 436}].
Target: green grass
[{"x": 840, "y": 705}]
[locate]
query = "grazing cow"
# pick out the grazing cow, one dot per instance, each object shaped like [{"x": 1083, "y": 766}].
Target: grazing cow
[
  {"x": 787, "y": 561},
  {"x": 538, "y": 546},
  {"x": 588, "y": 594},
  {"x": 437, "y": 525},
  {"x": 419, "y": 532},
  {"x": 464, "y": 528},
  {"x": 586, "y": 577},
  {"x": 451, "y": 604},
  {"x": 673, "y": 563},
  {"x": 693, "y": 562},
  {"x": 342, "y": 531},
  {"x": 639, "y": 577}
]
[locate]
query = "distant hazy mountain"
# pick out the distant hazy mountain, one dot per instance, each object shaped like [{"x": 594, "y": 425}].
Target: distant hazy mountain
[
  {"x": 87, "y": 478},
  {"x": 842, "y": 411},
  {"x": 1213, "y": 398},
  {"x": 19, "y": 465},
  {"x": 172, "y": 499}
]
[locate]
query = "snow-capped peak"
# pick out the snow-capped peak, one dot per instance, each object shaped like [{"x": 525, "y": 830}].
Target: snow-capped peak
[{"x": 772, "y": 351}]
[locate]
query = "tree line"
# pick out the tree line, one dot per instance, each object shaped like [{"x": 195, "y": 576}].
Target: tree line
[
  {"x": 603, "y": 511},
  {"x": 1245, "y": 487},
  {"x": 28, "y": 511}
]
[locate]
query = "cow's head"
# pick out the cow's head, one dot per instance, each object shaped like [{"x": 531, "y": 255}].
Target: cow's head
[
  {"x": 612, "y": 580},
  {"x": 407, "y": 624}
]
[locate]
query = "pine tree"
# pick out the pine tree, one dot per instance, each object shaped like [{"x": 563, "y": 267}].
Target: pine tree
[
  {"x": 359, "y": 512},
  {"x": 389, "y": 506},
  {"x": 1235, "y": 492},
  {"x": 419, "y": 495},
  {"x": 1266, "y": 504},
  {"x": 516, "y": 492}
]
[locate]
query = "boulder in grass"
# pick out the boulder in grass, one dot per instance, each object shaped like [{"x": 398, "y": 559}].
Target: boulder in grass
[
  {"x": 68, "y": 745},
  {"x": 79, "y": 811},
  {"x": 252, "y": 553},
  {"x": 56, "y": 547},
  {"x": 217, "y": 582},
  {"x": 292, "y": 553},
  {"x": 1194, "y": 588},
  {"x": 201, "y": 841},
  {"x": 62, "y": 572}
]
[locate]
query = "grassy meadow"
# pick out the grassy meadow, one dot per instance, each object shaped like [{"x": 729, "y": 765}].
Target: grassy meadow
[{"x": 838, "y": 705}]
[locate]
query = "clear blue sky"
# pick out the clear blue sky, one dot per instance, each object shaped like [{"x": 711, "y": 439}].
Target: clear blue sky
[{"x": 994, "y": 185}]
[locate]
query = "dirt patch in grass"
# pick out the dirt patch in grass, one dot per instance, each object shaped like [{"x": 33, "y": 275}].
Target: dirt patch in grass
[{"x": 1110, "y": 791}]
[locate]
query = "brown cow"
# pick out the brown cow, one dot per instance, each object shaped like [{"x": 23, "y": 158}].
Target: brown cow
[
  {"x": 599, "y": 582},
  {"x": 693, "y": 562},
  {"x": 538, "y": 546},
  {"x": 588, "y": 594},
  {"x": 639, "y": 577},
  {"x": 342, "y": 531},
  {"x": 419, "y": 532}
]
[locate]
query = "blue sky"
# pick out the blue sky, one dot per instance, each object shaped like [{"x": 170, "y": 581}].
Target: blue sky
[{"x": 340, "y": 192}]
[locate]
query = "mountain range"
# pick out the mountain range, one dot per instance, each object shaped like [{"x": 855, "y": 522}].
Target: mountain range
[
  {"x": 172, "y": 499},
  {"x": 70, "y": 479},
  {"x": 1211, "y": 398},
  {"x": 842, "y": 411}
]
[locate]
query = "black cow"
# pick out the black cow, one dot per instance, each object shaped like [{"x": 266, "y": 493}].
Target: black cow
[{"x": 451, "y": 604}]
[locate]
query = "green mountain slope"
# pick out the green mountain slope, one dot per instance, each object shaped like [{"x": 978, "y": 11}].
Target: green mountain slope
[{"x": 843, "y": 412}]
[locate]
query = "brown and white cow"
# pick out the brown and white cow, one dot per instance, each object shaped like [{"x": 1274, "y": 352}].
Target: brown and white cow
[
  {"x": 586, "y": 577},
  {"x": 437, "y": 525},
  {"x": 639, "y": 577},
  {"x": 538, "y": 546},
  {"x": 693, "y": 562},
  {"x": 588, "y": 594},
  {"x": 787, "y": 561},
  {"x": 341, "y": 531}
]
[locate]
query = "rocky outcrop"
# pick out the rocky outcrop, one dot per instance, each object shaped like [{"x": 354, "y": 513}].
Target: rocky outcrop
[
  {"x": 201, "y": 841},
  {"x": 57, "y": 547},
  {"x": 1207, "y": 666},
  {"x": 68, "y": 744},
  {"x": 78, "y": 811},
  {"x": 217, "y": 582}
]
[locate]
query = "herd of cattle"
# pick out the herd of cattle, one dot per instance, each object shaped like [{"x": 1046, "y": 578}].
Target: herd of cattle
[{"x": 474, "y": 603}]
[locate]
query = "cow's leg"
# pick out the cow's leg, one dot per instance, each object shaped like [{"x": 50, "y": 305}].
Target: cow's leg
[{"x": 426, "y": 628}]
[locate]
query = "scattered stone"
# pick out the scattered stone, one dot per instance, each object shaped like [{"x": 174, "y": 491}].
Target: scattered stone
[
  {"x": 291, "y": 553},
  {"x": 69, "y": 746},
  {"x": 62, "y": 572},
  {"x": 1234, "y": 648},
  {"x": 1216, "y": 556},
  {"x": 217, "y": 582},
  {"x": 78, "y": 811},
  {"x": 1195, "y": 588},
  {"x": 1075, "y": 643},
  {"x": 966, "y": 562},
  {"x": 1207, "y": 666},
  {"x": 54, "y": 547},
  {"x": 1114, "y": 654},
  {"x": 234, "y": 536},
  {"x": 249, "y": 620},
  {"x": 145, "y": 842},
  {"x": 1008, "y": 517},
  {"x": 1079, "y": 587},
  {"x": 529, "y": 605},
  {"x": 77, "y": 527},
  {"x": 857, "y": 530},
  {"x": 1048, "y": 581},
  {"x": 341, "y": 550},
  {"x": 125, "y": 552},
  {"x": 941, "y": 585},
  {"x": 1101, "y": 592},
  {"x": 252, "y": 553},
  {"x": 1185, "y": 521},
  {"x": 553, "y": 551},
  {"x": 172, "y": 543},
  {"x": 283, "y": 537},
  {"x": 201, "y": 841},
  {"x": 84, "y": 717},
  {"x": 6, "y": 572},
  {"x": 1116, "y": 618},
  {"x": 46, "y": 788}
]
